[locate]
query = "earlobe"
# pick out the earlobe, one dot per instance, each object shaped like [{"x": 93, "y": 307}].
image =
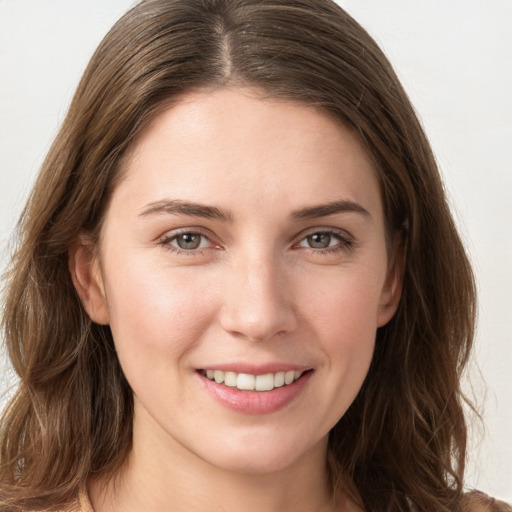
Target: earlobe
[
  {"x": 392, "y": 289},
  {"x": 86, "y": 275}
]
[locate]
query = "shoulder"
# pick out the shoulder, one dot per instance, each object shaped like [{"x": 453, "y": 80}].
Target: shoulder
[
  {"x": 80, "y": 504},
  {"x": 476, "y": 501}
]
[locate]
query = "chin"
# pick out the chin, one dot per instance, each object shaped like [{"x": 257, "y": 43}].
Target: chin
[{"x": 264, "y": 456}]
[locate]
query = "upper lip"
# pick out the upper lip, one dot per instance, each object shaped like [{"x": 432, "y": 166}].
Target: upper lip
[{"x": 260, "y": 369}]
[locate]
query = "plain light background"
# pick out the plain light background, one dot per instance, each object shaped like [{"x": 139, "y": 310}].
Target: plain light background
[{"x": 455, "y": 60}]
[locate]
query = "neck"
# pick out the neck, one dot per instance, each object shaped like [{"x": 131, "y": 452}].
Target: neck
[{"x": 169, "y": 477}]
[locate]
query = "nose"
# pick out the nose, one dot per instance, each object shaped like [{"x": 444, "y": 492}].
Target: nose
[{"x": 258, "y": 300}]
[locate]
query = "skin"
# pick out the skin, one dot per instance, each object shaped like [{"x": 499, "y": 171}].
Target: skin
[{"x": 255, "y": 290}]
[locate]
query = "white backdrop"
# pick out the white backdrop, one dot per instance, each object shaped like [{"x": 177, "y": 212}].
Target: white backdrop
[{"x": 455, "y": 60}]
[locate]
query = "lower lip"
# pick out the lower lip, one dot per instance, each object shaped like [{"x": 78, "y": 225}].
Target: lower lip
[{"x": 255, "y": 402}]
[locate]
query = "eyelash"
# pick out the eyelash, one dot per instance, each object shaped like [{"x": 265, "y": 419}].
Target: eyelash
[
  {"x": 166, "y": 242},
  {"x": 345, "y": 242}
]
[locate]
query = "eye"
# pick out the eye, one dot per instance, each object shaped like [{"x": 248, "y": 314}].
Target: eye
[
  {"x": 322, "y": 240},
  {"x": 187, "y": 241}
]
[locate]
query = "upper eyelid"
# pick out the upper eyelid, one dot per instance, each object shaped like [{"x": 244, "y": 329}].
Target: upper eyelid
[
  {"x": 173, "y": 233},
  {"x": 342, "y": 233},
  {"x": 165, "y": 241},
  {"x": 339, "y": 232}
]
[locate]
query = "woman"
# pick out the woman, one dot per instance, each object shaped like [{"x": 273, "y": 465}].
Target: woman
[{"x": 238, "y": 282}]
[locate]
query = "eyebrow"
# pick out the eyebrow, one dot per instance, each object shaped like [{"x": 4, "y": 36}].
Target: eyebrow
[
  {"x": 179, "y": 207},
  {"x": 323, "y": 210}
]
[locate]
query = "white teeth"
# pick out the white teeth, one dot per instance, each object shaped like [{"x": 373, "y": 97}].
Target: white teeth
[
  {"x": 230, "y": 379},
  {"x": 248, "y": 382},
  {"x": 245, "y": 381},
  {"x": 264, "y": 382},
  {"x": 289, "y": 377},
  {"x": 279, "y": 379}
]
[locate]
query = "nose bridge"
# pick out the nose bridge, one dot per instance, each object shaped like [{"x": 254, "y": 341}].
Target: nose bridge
[{"x": 258, "y": 301}]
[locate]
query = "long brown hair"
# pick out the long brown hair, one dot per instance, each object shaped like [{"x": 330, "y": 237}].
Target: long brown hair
[{"x": 403, "y": 440}]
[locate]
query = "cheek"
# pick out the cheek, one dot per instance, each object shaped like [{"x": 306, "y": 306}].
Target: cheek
[
  {"x": 350, "y": 341},
  {"x": 343, "y": 313},
  {"x": 346, "y": 305},
  {"x": 155, "y": 312}
]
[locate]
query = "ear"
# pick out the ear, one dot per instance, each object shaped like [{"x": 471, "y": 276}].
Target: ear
[
  {"x": 392, "y": 289},
  {"x": 86, "y": 275}
]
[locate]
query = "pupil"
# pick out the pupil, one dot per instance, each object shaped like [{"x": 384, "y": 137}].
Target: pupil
[
  {"x": 319, "y": 240},
  {"x": 189, "y": 241}
]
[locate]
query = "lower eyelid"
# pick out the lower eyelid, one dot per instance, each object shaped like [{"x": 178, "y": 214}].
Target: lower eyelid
[
  {"x": 342, "y": 241},
  {"x": 169, "y": 241}
]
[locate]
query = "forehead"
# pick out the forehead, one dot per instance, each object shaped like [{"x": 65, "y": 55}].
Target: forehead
[{"x": 231, "y": 144}]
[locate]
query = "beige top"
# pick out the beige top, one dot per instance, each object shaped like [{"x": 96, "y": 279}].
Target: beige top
[
  {"x": 82, "y": 503},
  {"x": 479, "y": 502},
  {"x": 85, "y": 504},
  {"x": 475, "y": 502}
]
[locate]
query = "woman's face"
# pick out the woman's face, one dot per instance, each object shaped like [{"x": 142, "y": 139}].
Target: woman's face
[{"x": 243, "y": 271}]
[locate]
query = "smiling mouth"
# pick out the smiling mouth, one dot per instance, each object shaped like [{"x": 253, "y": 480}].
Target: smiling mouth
[{"x": 249, "y": 382}]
